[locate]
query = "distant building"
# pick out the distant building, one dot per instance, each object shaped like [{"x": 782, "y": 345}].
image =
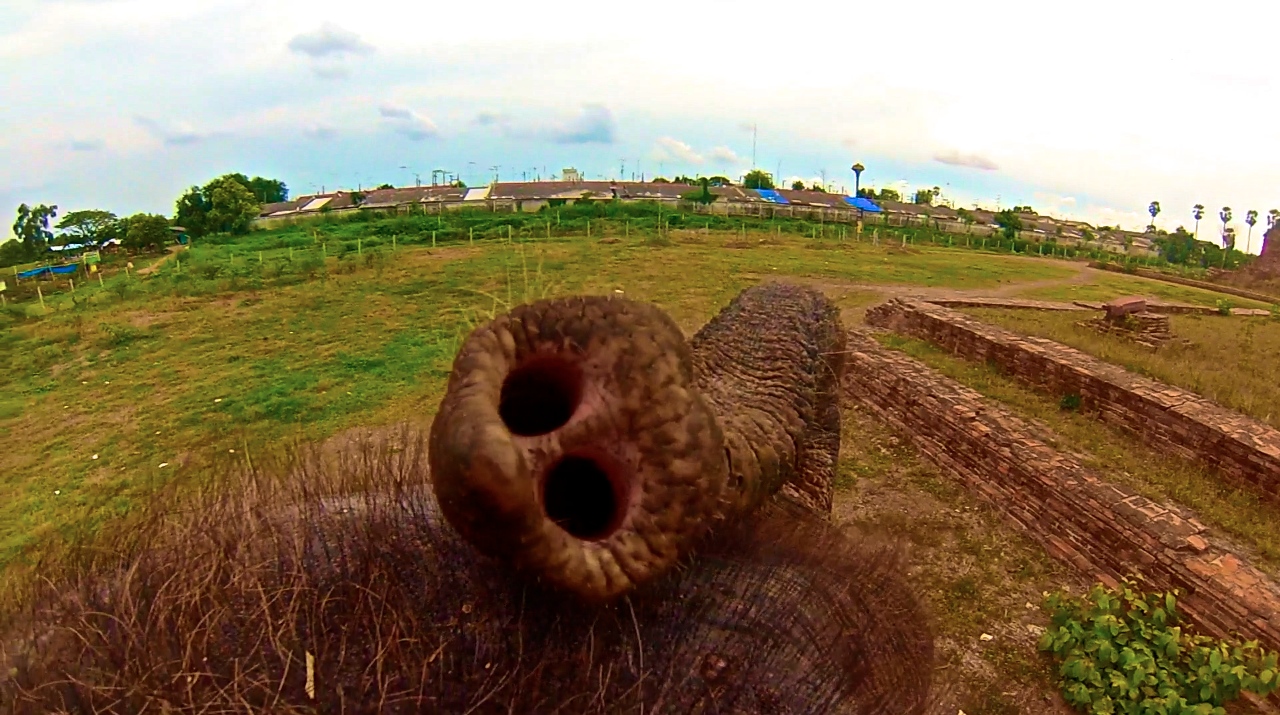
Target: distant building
[{"x": 572, "y": 175}]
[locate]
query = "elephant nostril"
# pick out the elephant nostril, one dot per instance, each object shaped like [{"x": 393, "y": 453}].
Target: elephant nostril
[
  {"x": 584, "y": 498},
  {"x": 540, "y": 396}
]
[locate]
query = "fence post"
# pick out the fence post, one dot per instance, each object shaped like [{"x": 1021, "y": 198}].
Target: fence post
[
  {"x": 100, "y": 283},
  {"x": 433, "y": 239},
  {"x": 471, "y": 236},
  {"x": 72, "y": 281},
  {"x": 359, "y": 246},
  {"x": 41, "y": 294},
  {"x": 508, "y": 233}
]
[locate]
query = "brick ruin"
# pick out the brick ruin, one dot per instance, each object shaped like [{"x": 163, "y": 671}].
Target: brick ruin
[
  {"x": 1105, "y": 531},
  {"x": 1244, "y": 451},
  {"x": 1129, "y": 318}
]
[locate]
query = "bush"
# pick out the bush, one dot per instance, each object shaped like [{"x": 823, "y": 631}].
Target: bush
[
  {"x": 1224, "y": 306},
  {"x": 1122, "y": 651},
  {"x": 1070, "y": 402}
]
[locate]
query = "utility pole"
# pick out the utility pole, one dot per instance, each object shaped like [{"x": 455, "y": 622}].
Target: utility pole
[{"x": 753, "y": 145}]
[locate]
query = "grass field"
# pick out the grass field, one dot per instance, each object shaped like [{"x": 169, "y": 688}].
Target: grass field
[
  {"x": 1103, "y": 286},
  {"x": 1229, "y": 360},
  {"x": 304, "y": 331},
  {"x": 1119, "y": 458},
  {"x": 225, "y": 346}
]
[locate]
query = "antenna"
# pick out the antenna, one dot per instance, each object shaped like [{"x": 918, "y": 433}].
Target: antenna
[{"x": 753, "y": 145}]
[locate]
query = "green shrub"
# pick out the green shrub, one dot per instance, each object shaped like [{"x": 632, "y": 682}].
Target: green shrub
[
  {"x": 1225, "y": 306},
  {"x": 1122, "y": 651},
  {"x": 1275, "y": 311},
  {"x": 1070, "y": 402}
]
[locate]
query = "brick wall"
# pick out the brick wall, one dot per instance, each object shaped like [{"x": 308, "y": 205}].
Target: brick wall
[
  {"x": 1244, "y": 451},
  {"x": 1105, "y": 531}
]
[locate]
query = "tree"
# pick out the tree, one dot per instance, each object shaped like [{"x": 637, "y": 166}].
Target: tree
[
  {"x": 268, "y": 191},
  {"x": 818, "y": 187},
  {"x": 232, "y": 206},
  {"x": 458, "y": 184},
  {"x": 148, "y": 232},
  {"x": 758, "y": 179},
  {"x": 685, "y": 179},
  {"x": 32, "y": 227},
  {"x": 384, "y": 186},
  {"x": 1197, "y": 212},
  {"x": 1273, "y": 218},
  {"x": 1153, "y": 209},
  {"x": 719, "y": 181},
  {"x": 88, "y": 226},
  {"x": 797, "y": 185},
  {"x": 1225, "y": 215},
  {"x": 192, "y": 211},
  {"x": 659, "y": 180},
  {"x": 965, "y": 215},
  {"x": 1251, "y": 218},
  {"x": 924, "y": 196},
  {"x": 1009, "y": 223}
]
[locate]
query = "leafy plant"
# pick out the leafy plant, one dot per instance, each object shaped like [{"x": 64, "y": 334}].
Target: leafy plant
[
  {"x": 1275, "y": 311},
  {"x": 1122, "y": 651},
  {"x": 1225, "y": 306},
  {"x": 1070, "y": 402}
]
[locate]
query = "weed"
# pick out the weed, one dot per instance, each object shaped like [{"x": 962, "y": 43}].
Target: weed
[
  {"x": 1224, "y": 306},
  {"x": 1070, "y": 402},
  {"x": 1123, "y": 651}
]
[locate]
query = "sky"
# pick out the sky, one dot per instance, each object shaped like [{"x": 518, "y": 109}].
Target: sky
[{"x": 1087, "y": 110}]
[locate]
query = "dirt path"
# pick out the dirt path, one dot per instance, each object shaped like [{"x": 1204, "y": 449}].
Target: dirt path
[{"x": 171, "y": 252}]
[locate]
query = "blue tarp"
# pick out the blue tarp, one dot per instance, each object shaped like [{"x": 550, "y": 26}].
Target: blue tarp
[
  {"x": 859, "y": 202},
  {"x": 772, "y": 196},
  {"x": 60, "y": 270}
]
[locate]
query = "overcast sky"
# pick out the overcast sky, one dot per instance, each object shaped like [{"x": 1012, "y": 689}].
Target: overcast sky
[{"x": 1084, "y": 109}]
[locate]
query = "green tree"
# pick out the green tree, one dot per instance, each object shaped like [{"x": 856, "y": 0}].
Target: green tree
[
  {"x": 965, "y": 215},
  {"x": 797, "y": 185},
  {"x": 818, "y": 187},
  {"x": 32, "y": 227},
  {"x": 1225, "y": 215},
  {"x": 1009, "y": 222},
  {"x": 192, "y": 211},
  {"x": 12, "y": 253},
  {"x": 1273, "y": 218},
  {"x": 1197, "y": 212},
  {"x": 1251, "y": 218},
  {"x": 924, "y": 196},
  {"x": 684, "y": 179},
  {"x": 659, "y": 180},
  {"x": 758, "y": 179},
  {"x": 459, "y": 184},
  {"x": 232, "y": 207},
  {"x": 384, "y": 186},
  {"x": 889, "y": 195},
  {"x": 89, "y": 225},
  {"x": 719, "y": 181},
  {"x": 147, "y": 232},
  {"x": 1154, "y": 210},
  {"x": 268, "y": 191}
]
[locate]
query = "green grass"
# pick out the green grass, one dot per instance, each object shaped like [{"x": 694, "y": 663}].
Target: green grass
[
  {"x": 223, "y": 347},
  {"x": 1103, "y": 286},
  {"x": 1230, "y": 360},
  {"x": 1116, "y": 456}
]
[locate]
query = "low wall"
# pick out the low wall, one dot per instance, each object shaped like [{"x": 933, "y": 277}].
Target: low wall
[
  {"x": 1105, "y": 531},
  {"x": 1244, "y": 451},
  {"x": 1205, "y": 285}
]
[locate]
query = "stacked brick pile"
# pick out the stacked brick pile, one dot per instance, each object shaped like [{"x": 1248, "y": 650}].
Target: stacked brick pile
[
  {"x": 1128, "y": 318},
  {"x": 1105, "y": 531},
  {"x": 1244, "y": 451}
]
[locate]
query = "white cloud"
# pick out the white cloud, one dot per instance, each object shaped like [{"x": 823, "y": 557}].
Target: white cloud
[
  {"x": 329, "y": 40},
  {"x": 408, "y": 123},
  {"x": 175, "y": 134},
  {"x": 973, "y": 161},
  {"x": 669, "y": 149},
  {"x": 725, "y": 156}
]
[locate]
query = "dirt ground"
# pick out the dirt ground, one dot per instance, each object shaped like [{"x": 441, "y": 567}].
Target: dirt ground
[{"x": 976, "y": 576}]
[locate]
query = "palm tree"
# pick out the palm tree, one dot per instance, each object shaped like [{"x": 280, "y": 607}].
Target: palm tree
[
  {"x": 1197, "y": 212},
  {"x": 1250, "y": 217},
  {"x": 1153, "y": 209},
  {"x": 1225, "y": 215}
]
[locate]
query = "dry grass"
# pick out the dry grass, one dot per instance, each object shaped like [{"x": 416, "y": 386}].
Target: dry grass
[
  {"x": 1115, "y": 455},
  {"x": 975, "y": 573},
  {"x": 240, "y": 591},
  {"x": 1230, "y": 360}
]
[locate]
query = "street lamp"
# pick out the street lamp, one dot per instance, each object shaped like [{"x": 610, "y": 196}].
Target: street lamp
[{"x": 857, "y": 178}]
